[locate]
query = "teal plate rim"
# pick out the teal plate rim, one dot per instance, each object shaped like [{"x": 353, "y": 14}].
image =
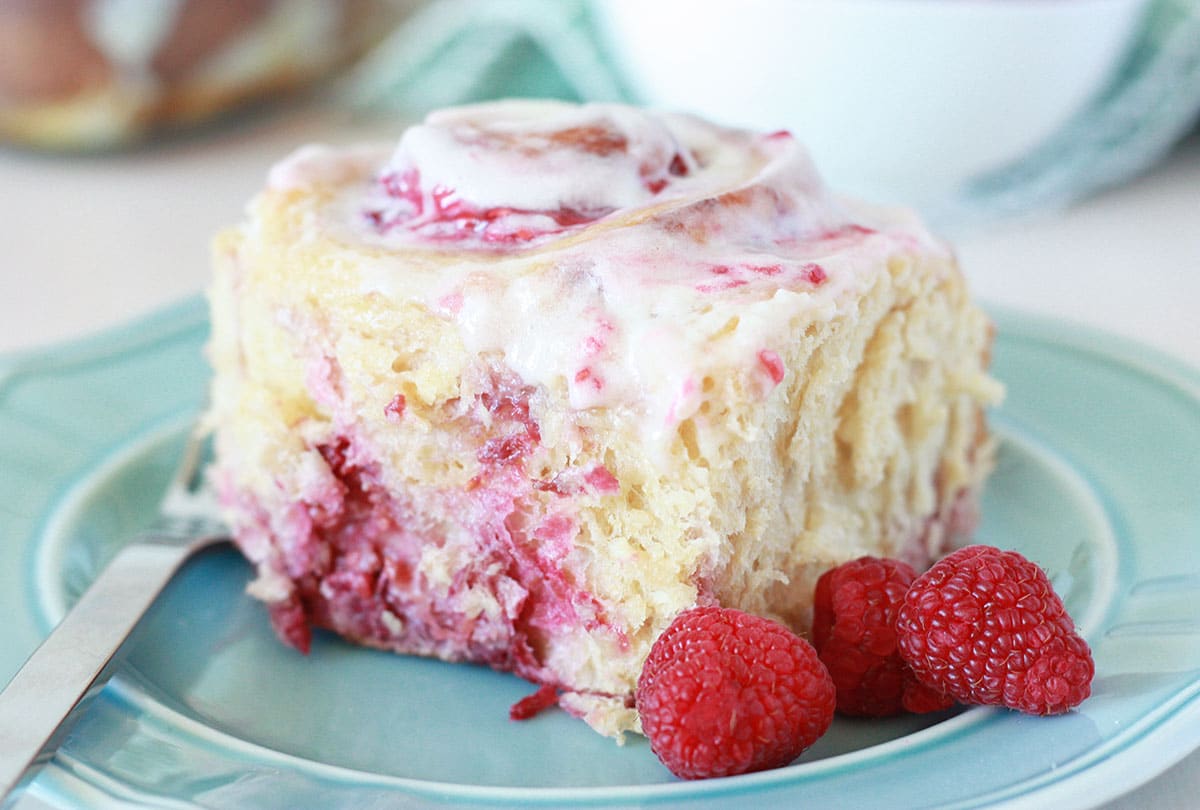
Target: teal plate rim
[{"x": 1152, "y": 738}]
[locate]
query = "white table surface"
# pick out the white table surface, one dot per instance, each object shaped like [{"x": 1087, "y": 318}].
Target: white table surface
[{"x": 87, "y": 243}]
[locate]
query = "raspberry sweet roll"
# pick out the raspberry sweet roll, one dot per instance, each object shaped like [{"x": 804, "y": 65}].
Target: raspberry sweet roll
[{"x": 521, "y": 389}]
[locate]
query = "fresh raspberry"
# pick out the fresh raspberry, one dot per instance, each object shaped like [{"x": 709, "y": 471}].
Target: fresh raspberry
[
  {"x": 724, "y": 692},
  {"x": 986, "y": 626},
  {"x": 854, "y": 631}
]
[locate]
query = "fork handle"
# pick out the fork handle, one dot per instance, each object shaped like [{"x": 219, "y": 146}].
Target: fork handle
[{"x": 61, "y": 673}]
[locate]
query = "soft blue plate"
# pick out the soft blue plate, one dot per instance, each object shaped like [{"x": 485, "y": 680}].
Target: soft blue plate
[{"x": 1098, "y": 480}]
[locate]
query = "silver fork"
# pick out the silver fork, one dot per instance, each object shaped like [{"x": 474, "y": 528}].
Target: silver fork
[{"x": 72, "y": 663}]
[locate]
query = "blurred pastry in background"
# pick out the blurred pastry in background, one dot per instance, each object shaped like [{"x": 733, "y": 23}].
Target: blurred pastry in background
[{"x": 92, "y": 74}]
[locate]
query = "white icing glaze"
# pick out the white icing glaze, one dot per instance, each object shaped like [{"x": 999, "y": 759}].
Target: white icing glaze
[
  {"x": 316, "y": 164},
  {"x": 539, "y": 156},
  {"x": 661, "y": 285}
]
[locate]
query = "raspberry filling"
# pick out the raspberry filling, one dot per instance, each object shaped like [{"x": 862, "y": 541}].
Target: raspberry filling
[
  {"x": 360, "y": 565},
  {"x": 502, "y": 180},
  {"x": 439, "y": 215}
]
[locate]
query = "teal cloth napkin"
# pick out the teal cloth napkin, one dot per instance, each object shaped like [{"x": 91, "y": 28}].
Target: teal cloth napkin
[
  {"x": 1152, "y": 102},
  {"x": 460, "y": 51}
]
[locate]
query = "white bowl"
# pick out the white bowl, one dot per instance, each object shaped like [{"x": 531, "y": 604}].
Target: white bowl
[{"x": 898, "y": 100}]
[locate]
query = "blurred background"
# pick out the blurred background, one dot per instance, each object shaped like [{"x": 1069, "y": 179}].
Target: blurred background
[{"x": 130, "y": 131}]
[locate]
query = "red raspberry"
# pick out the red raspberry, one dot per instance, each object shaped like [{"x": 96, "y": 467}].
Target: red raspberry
[
  {"x": 854, "y": 631},
  {"x": 986, "y": 626},
  {"x": 724, "y": 692}
]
